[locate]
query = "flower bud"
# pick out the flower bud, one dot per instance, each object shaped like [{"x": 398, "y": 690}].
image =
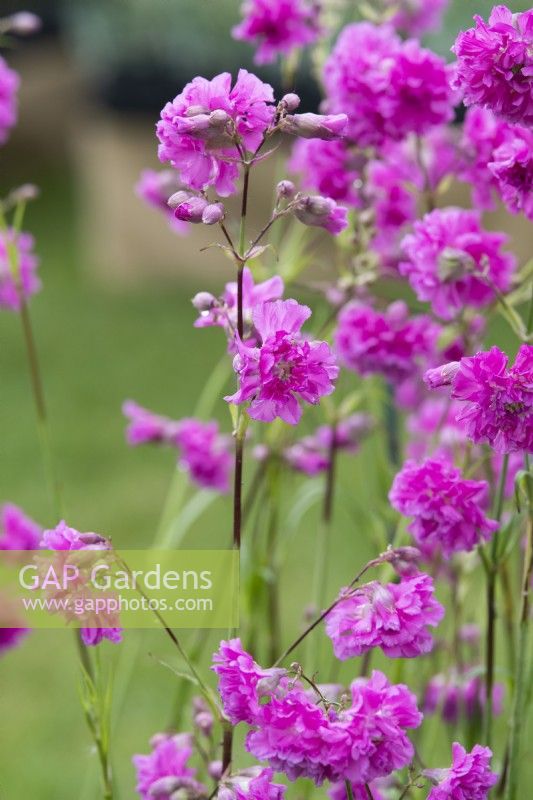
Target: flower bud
[
  {"x": 203, "y": 301},
  {"x": 291, "y": 101},
  {"x": 213, "y": 213},
  {"x": 322, "y": 212},
  {"x": 286, "y": 189},
  {"x": 23, "y": 23},
  {"x": 441, "y": 376},
  {"x": 215, "y": 770},
  {"x": 204, "y": 722},
  {"x": 191, "y": 209},
  {"x": 178, "y": 198},
  {"x": 315, "y": 126}
]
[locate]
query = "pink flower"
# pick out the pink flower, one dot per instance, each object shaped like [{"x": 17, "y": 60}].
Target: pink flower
[
  {"x": 11, "y": 637},
  {"x": 9, "y": 84},
  {"x": 512, "y": 166},
  {"x": 146, "y": 427},
  {"x": 253, "y": 783},
  {"x": 17, "y": 531},
  {"x": 64, "y": 538},
  {"x": 311, "y": 454},
  {"x": 166, "y": 770},
  {"x": 204, "y": 451},
  {"x": 452, "y": 261},
  {"x": 415, "y": 17},
  {"x": 495, "y": 64},
  {"x": 390, "y": 88},
  {"x": 446, "y": 508},
  {"x": 496, "y": 401},
  {"x": 205, "y": 454},
  {"x": 394, "y": 617},
  {"x": 469, "y": 777},
  {"x": 331, "y": 168},
  {"x": 242, "y": 682},
  {"x": 193, "y": 115},
  {"x": 24, "y": 262},
  {"x": 155, "y": 188},
  {"x": 389, "y": 343},
  {"x": 483, "y": 133},
  {"x": 223, "y": 311},
  {"x": 278, "y": 27},
  {"x": 321, "y": 212},
  {"x": 460, "y": 695},
  {"x": 285, "y": 367}
]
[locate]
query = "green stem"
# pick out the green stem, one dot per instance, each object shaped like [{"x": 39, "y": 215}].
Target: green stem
[
  {"x": 272, "y": 562},
  {"x": 349, "y": 789},
  {"x": 491, "y": 609},
  {"x": 520, "y": 710}
]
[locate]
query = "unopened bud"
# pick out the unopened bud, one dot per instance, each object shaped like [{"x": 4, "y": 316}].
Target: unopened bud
[
  {"x": 191, "y": 209},
  {"x": 178, "y": 198},
  {"x": 23, "y": 23},
  {"x": 441, "y": 376},
  {"x": 286, "y": 189},
  {"x": 213, "y": 214},
  {"x": 203, "y": 301},
  {"x": 291, "y": 101},
  {"x": 215, "y": 770},
  {"x": 315, "y": 126},
  {"x": 204, "y": 722}
]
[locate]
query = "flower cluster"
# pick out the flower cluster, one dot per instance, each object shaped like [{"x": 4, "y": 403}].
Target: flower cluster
[
  {"x": 446, "y": 508},
  {"x": 496, "y": 402},
  {"x": 278, "y": 26},
  {"x": 453, "y": 262},
  {"x": 284, "y": 367},
  {"x": 204, "y": 451},
  {"x": 64, "y": 538},
  {"x": 332, "y": 168},
  {"x": 495, "y": 64},
  {"x": 390, "y": 343},
  {"x": 199, "y": 130},
  {"x": 18, "y": 269},
  {"x": 390, "y": 88},
  {"x": 362, "y": 742},
  {"x": 394, "y": 617}
]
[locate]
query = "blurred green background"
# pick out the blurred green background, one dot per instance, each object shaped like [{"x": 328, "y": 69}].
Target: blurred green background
[{"x": 114, "y": 321}]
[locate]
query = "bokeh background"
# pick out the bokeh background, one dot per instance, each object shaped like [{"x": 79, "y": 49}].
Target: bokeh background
[{"x": 114, "y": 321}]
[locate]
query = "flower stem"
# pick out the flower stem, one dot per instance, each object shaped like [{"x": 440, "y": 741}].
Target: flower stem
[
  {"x": 491, "y": 609},
  {"x": 349, "y": 789},
  {"x": 520, "y": 710},
  {"x": 227, "y": 747},
  {"x": 321, "y": 560}
]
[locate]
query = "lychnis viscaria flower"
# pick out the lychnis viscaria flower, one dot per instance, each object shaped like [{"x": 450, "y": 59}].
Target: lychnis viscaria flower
[
  {"x": 460, "y": 695},
  {"x": 389, "y": 88},
  {"x": 17, "y": 530},
  {"x": 278, "y": 26},
  {"x": 389, "y": 343},
  {"x": 483, "y": 132},
  {"x": 415, "y": 17},
  {"x": 446, "y": 508},
  {"x": 9, "y": 83},
  {"x": 155, "y": 188},
  {"x": 241, "y": 682},
  {"x": 222, "y": 311},
  {"x": 331, "y": 168},
  {"x": 284, "y": 368},
  {"x": 204, "y": 451},
  {"x": 452, "y": 262},
  {"x": 512, "y": 167},
  {"x": 312, "y": 454},
  {"x": 469, "y": 777},
  {"x": 18, "y": 269},
  {"x": 165, "y": 770},
  {"x": 496, "y": 402},
  {"x": 394, "y": 617},
  {"x": 321, "y": 212},
  {"x": 200, "y": 128},
  {"x": 495, "y": 64},
  {"x": 253, "y": 783}
]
